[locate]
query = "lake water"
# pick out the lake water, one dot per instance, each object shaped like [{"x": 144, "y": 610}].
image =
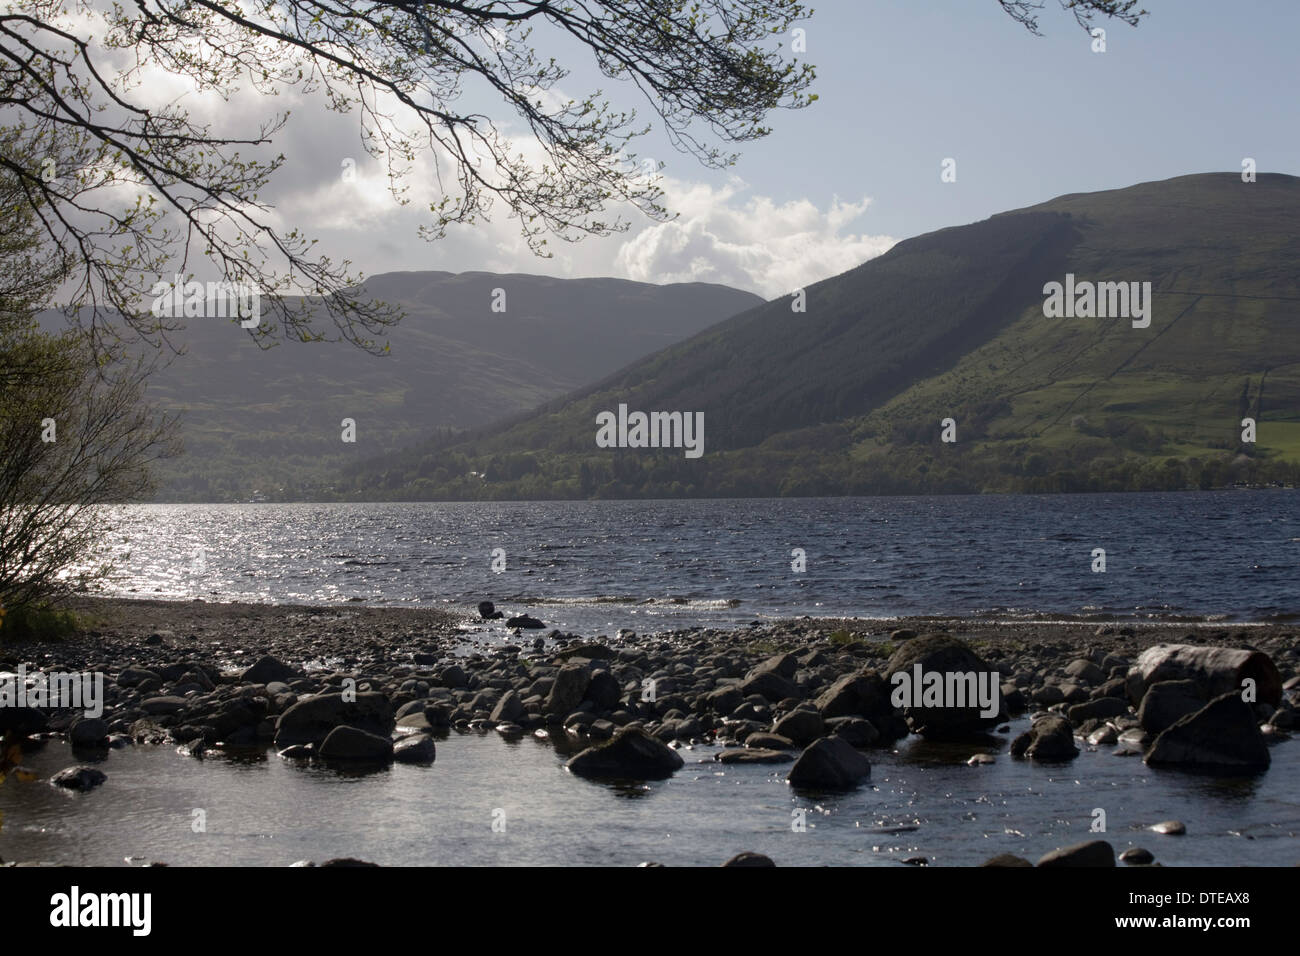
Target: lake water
[
  {"x": 593, "y": 567},
  {"x": 262, "y": 810}
]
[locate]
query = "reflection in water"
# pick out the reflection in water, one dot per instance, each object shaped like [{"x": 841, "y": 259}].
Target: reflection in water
[{"x": 921, "y": 801}]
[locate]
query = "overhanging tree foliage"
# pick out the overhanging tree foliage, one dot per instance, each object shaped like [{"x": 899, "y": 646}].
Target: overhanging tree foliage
[
  {"x": 75, "y": 434},
  {"x": 131, "y": 190}
]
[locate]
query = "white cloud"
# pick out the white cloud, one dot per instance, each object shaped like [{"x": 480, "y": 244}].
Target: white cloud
[
  {"x": 724, "y": 232},
  {"x": 750, "y": 242}
]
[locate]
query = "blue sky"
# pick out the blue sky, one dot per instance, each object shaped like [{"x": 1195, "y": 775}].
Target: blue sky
[{"x": 904, "y": 83}]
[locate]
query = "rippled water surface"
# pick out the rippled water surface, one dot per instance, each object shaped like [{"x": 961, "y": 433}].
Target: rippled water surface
[
  {"x": 267, "y": 811},
  {"x": 647, "y": 565},
  {"x": 593, "y": 567}
]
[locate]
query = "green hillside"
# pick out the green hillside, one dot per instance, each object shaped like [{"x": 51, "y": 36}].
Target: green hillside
[
  {"x": 848, "y": 396},
  {"x": 268, "y": 420}
]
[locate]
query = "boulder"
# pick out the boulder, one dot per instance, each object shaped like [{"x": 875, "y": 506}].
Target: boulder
[
  {"x": 858, "y": 731},
  {"x": 88, "y": 732},
  {"x": 268, "y": 670},
  {"x": 800, "y": 726},
  {"x": 1047, "y": 695},
  {"x": 1086, "y": 671},
  {"x": 1006, "y": 859},
  {"x": 508, "y": 709},
  {"x": 415, "y": 748},
  {"x": 1216, "y": 671},
  {"x": 750, "y": 859},
  {"x": 865, "y": 694},
  {"x": 133, "y": 676},
  {"x": 488, "y": 611},
  {"x": 1222, "y": 736},
  {"x": 353, "y": 743},
  {"x": 678, "y": 728},
  {"x": 311, "y": 719},
  {"x": 831, "y": 763},
  {"x": 754, "y": 755},
  {"x": 525, "y": 622},
  {"x": 568, "y": 691},
  {"x": 1090, "y": 853},
  {"x": 1137, "y": 856},
  {"x": 80, "y": 779},
  {"x": 1049, "y": 738},
  {"x": 22, "y": 720},
  {"x": 963, "y": 673},
  {"x": 604, "y": 691},
  {"x": 631, "y": 754},
  {"x": 453, "y": 676},
  {"x": 1013, "y": 699},
  {"x": 1166, "y": 702},
  {"x": 1101, "y": 708},
  {"x": 156, "y": 706},
  {"x": 784, "y": 664},
  {"x": 229, "y": 717},
  {"x": 724, "y": 700},
  {"x": 769, "y": 685}
]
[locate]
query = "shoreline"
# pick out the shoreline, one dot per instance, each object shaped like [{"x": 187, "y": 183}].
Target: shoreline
[
  {"x": 204, "y": 679},
  {"x": 139, "y": 613}
]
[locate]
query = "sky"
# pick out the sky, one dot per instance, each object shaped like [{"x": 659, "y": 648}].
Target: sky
[{"x": 902, "y": 86}]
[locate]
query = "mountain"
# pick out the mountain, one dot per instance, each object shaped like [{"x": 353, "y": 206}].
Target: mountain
[
  {"x": 268, "y": 420},
  {"x": 848, "y": 396}
]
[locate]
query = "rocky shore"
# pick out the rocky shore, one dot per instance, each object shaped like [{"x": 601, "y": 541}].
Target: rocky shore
[{"x": 357, "y": 685}]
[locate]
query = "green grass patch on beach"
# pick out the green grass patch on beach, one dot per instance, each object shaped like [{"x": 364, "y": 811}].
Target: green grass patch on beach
[{"x": 37, "y": 623}]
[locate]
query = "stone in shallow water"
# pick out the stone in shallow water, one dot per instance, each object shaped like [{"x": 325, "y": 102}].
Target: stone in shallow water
[
  {"x": 632, "y": 754},
  {"x": 567, "y": 691},
  {"x": 88, "y": 732},
  {"x": 80, "y": 779},
  {"x": 1170, "y": 827},
  {"x": 830, "y": 763},
  {"x": 312, "y": 719},
  {"x": 979, "y": 759},
  {"x": 347, "y": 861},
  {"x": 1137, "y": 856},
  {"x": 800, "y": 726},
  {"x": 353, "y": 743},
  {"x": 1090, "y": 853},
  {"x": 415, "y": 749},
  {"x": 1103, "y": 736},
  {"x": 858, "y": 731},
  {"x": 912, "y": 667},
  {"x": 1222, "y": 736},
  {"x": 754, "y": 755},
  {"x": 1048, "y": 738},
  {"x": 1166, "y": 701},
  {"x": 750, "y": 859}
]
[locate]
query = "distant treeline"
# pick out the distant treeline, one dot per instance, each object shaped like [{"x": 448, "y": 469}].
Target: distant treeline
[{"x": 777, "y": 473}]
